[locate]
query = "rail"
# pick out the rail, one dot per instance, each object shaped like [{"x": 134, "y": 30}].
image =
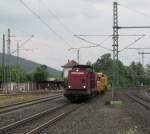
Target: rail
[
  {"x": 139, "y": 100},
  {"x": 30, "y": 118},
  {"x": 11, "y": 107},
  {"x": 52, "y": 121}
]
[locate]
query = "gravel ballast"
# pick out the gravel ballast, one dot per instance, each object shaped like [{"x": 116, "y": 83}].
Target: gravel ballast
[
  {"x": 96, "y": 118},
  {"x": 22, "y": 113},
  {"x": 139, "y": 114}
]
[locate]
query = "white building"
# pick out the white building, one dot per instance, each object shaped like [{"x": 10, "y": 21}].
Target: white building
[{"x": 68, "y": 66}]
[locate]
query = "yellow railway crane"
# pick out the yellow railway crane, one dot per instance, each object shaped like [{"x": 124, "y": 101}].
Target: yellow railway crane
[{"x": 101, "y": 82}]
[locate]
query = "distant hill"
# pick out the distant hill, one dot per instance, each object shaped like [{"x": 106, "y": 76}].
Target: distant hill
[{"x": 29, "y": 65}]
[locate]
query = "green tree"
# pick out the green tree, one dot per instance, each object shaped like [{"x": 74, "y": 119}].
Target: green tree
[
  {"x": 40, "y": 73},
  {"x": 104, "y": 64},
  {"x": 132, "y": 75},
  {"x": 140, "y": 76},
  {"x": 89, "y": 63},
  {"x": 16, "y": 73}
]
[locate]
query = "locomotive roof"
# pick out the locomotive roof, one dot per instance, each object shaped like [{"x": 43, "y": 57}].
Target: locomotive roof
[{"x": 82, "y": 66}]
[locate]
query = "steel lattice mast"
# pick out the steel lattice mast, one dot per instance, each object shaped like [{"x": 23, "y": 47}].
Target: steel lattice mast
[
  {"x": 8, "y": 60},
  {"x": 3, "y": 63},
  {"x": 115, "y": 48}
]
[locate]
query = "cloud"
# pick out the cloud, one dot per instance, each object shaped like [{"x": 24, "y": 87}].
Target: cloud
[
  {"x": 79, "y": 16},
  {"x": 96, "y": 1}
]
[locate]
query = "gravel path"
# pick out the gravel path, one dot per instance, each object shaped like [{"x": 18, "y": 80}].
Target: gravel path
[{"x": 96, "y": 118}]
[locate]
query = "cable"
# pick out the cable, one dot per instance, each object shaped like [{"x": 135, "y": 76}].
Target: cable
[
  {"x": 132, "y": 43},
  {"x": 94, "y": 44},
  {"x": 57, "y": 18},
  {"x": 15, "y": 29},
  {"x": 91, "y": 35},
  {"x": 108, "y": 35},
  {"x": 23, "y": 43},
  {"x": 136, "y": 11},
  {"x": 43, "y": 22},
  {"x": 139, "y": 48}
]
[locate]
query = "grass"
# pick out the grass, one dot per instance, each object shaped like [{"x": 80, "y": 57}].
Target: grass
[
  {"x": 128, "y": 131},
  {"x": 14, "y": 99},
  {"x": 116, "y": 104}
]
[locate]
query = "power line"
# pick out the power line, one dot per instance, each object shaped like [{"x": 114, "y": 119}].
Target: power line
[
  {"x": 94, "y": 44},
  {"x": 66, "y": 28},
  {"x": 57, "y": 18},
  {"x": 21, "y": 45},
  {"x": 44, "y": 22},
  {"x": 108, "y": 35},
  {"x": 139, "y": 48},
  {"x": 132, "y": 43},
  {"x": 15, "y": 29},
  {"x": 136, "y": 27},
  {"x": 143, "y": 53},
  {"x": 78, "y": 49},
  {"x": 136, "y": 11}
]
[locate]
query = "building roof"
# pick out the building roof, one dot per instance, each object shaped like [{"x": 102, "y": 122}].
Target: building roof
[
  {"x": 69, "y": 64},
  {"x": 82, "y": 66}
]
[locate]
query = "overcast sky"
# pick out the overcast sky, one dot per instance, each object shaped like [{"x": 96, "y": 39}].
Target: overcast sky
[{"x": 64, "y": 18}]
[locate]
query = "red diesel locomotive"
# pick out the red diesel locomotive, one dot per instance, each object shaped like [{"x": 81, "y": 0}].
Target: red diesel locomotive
[{"x": 81, "y": 83}]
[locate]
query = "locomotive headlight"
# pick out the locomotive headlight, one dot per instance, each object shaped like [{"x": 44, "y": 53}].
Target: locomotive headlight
[
  {"x": 84, "y": 86},
  {"x": 69, "y": 86}
]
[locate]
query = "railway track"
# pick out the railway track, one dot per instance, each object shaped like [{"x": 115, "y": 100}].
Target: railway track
[
  {"x": 52, "y": 121},
  {"x": 140, "y": 100},
  {"x": 39, "y": 121},
  {"x": 31, "y": 93},
  {"x": 15, "y": 106}
]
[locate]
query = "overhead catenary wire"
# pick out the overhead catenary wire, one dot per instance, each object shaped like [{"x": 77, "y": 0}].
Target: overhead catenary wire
[
  {"x": 132, "y": 43},
  {"x": 108, "y": 35},
  {"x": 139, "y": 48},
  {"x": 136, "y": 11},
  {"x": 23, "y": 44},
  {"x": 33, "y": 49},
  {"x": 65, "y": 27},
  {"x": 56, "y": 17},
  {"x": 94, "y": 44},
  {"x": 44, "y": 23},
  {"x": 15, "y": 29},
  {"x": 19, "y": 30}
]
